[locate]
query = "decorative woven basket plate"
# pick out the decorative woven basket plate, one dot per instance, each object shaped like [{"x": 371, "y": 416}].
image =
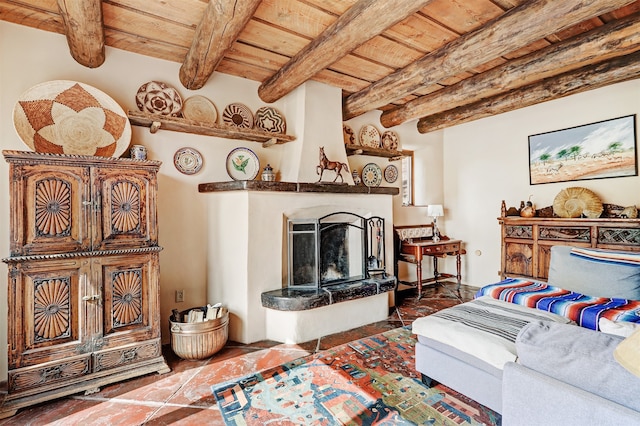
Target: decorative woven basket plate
[
  {"x": 238, "y": 115},
  {"x": 200, "y": 109},
  {"x": 369, "y": 136},
  {"x": 270, "y": 120},
  {"x": 157, "y": 97},
  {"x": 348, "y": 135},
  {"x": 575, "y": 202},
  {"x": 67, "y": 117},
  {"x": 390, "y": 140}
]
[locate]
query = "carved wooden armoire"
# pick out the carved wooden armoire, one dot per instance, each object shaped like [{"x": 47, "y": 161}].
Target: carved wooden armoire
[{"x": 83, "y": 288}]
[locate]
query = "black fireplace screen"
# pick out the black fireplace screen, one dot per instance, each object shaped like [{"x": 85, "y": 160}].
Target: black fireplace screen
[{"x": 336, "y": 248}]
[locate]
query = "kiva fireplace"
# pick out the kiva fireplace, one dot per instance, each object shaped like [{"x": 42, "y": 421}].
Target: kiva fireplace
[
  {"x": 334, "y": 249},
  {"x": 333, "y": 258}
]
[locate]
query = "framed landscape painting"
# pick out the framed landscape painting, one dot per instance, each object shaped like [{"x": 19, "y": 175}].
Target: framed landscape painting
[{"x": 604, "y": 149}]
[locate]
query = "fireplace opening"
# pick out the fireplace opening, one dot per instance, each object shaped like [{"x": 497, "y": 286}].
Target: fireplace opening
[{"x": 334, "y": 249}]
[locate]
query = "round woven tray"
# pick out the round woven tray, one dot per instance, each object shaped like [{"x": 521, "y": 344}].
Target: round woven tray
[{"x": 576, "y": 202}]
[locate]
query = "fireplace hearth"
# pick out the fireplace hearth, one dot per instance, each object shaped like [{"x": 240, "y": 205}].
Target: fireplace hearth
[{"x": 334, "y": 258}]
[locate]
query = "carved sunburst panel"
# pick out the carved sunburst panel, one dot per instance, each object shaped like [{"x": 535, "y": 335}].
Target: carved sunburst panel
[
  {"x": 53, "y": 208},
  {"x": 127, "y": 297},
  {"x": 125, "y": 207},
  {"x": 52, "y": 309}
]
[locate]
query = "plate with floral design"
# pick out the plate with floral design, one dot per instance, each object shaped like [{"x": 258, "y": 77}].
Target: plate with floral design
[
  {"x": 188, "y": 161},
  {"x": 242, "y": 164}
]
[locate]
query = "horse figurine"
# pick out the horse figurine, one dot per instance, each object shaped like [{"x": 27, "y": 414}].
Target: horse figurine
[{"x": 325, "y": 164}]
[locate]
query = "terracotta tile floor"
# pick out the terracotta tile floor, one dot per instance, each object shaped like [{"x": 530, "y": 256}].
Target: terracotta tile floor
[{"x": 184, "y": 397}]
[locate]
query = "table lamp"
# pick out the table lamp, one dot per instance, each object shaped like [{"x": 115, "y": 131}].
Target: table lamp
[{"x": 435, "y": 210}]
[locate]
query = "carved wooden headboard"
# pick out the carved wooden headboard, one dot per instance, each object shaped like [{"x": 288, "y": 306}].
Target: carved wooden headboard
[{"x": 527, "y": 242}]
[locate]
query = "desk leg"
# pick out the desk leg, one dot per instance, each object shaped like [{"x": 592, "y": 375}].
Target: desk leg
[
  {"x": 458, "y": 268},
  {"x": 419, "y": 273},
  {"x": 435, "y": 269}
]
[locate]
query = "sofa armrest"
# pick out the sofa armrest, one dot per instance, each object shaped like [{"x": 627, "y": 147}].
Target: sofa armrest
[
  {"x": 579, "y": 357},
  {"x": 530, "y": 398}
]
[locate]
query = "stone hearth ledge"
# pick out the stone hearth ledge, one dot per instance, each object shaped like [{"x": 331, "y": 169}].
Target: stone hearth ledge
[
  {"x": 297, "y": 299},
  {"x": 323, "y": 187}
]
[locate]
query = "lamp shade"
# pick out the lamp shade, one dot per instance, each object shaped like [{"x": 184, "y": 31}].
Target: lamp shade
[{"x": 435, "y": 210}]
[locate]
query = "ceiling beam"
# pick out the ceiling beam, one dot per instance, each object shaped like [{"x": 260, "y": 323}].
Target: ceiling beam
[
  {"x": 363, "y": 21},
  {"x": 615, "y": 39},
  {"x": 222, "y": 22},
  {"x": 518, "y": 27},
  {"x": 83, "y": 27},
  {"x": 588, "y": 78}
]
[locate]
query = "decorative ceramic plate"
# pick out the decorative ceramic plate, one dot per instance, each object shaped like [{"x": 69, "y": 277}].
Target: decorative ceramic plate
[
  {"x": 188, "y": 161},
  {"x": 157, "y": 97},
  {"x": 270, "y": 120},
  {"x": 391, "y": 173},
  {"x": 371, "y": 175},
  {"x": 348, "y": 135},
  {"x": 67, "y": 117},
  {"x": 390, "y": 140},
  {"x": 200, "y": 109},
  {"x": 238, "y": 115},
  {"x": 242, "y": 164},
  {"x": 370, "y": 136}
]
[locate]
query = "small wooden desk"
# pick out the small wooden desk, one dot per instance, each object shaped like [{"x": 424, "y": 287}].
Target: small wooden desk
[{"x": 419, "y": 249}]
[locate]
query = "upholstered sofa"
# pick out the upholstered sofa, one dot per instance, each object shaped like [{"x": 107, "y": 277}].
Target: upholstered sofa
[
  {"x": 567, "y": 375},
  {"x": 523, "y": 369}
]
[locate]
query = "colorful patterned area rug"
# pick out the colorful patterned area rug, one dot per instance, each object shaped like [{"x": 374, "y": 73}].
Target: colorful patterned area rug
[{"x": 371, "y": 381}]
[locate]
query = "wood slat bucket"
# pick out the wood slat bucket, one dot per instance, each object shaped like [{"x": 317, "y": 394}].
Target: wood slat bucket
[{"x": 199, "y": 340}]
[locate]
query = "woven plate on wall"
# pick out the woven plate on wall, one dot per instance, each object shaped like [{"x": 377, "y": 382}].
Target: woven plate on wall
[
  {"x": 576, "y": 201},
  {"x": 68, "y": 117}
]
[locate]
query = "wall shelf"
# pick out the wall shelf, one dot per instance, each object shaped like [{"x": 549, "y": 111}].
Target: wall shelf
[
  {"x": 156, "y": 122},
  {"x": 391, "y": 154}
]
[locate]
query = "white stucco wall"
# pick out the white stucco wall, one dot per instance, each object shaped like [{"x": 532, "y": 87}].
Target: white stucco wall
[{"x": 487, "y": 161}]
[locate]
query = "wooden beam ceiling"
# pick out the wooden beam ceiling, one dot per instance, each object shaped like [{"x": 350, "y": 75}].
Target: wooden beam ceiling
[
  {"x": 440, "y": 61},
  {"x": 84, "y": 30},
  {"x": 222, "y": 22},
  {"x": 520, "y": 26},
  {"x": 588, "y": 78},
  {"x": 363, "y": 21},
  {"x": 618, "y": 38}
]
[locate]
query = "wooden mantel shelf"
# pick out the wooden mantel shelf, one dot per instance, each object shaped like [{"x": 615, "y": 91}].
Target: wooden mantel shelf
[
  {"x": 155, "y": 122},
  {"x": 259, "y": 185},
  {"x": 391, "y": 154}
]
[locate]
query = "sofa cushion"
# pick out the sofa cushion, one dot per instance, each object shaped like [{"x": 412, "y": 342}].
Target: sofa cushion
[
  {"x": 591, "y": 276},
  {"x": 580, "y": 357}
]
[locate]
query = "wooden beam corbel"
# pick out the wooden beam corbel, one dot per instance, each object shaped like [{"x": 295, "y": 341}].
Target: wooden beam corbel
[
  {"x": 591, "y": 77},
  {"x": 83, "y": 26},
  {"x": 618, "y": 38},
  {"x": 222, "y": 22},
  {"x": 363, "y": 21},
  {"x": 518, "y": 27}
]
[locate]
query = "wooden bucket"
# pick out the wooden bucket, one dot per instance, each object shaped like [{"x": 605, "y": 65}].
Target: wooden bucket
[{"x": 199, "y": 340}]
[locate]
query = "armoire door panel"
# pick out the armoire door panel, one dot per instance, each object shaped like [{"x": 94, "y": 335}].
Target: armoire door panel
[
  {"x": 49, "y": 310},
  {"x": 52, "y": 210},
  {"x": 130, "y": 297},
  {"x": 127, "y": 216}
]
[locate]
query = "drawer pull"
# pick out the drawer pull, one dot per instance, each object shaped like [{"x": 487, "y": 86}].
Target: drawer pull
[{"x": 90, "y": 298}]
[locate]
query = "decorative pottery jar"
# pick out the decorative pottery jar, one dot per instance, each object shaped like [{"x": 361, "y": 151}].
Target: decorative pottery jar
[
  {"x": 138, "y": 152},
  {"x": 267, "y": 174},
  {"x": 356, "y": 177}
]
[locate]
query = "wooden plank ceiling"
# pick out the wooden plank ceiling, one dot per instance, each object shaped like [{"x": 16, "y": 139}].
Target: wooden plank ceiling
[{"x": 442, "y": 62}]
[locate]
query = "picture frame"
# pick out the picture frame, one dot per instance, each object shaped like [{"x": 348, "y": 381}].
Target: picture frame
[{"x": 599, "y": 150}]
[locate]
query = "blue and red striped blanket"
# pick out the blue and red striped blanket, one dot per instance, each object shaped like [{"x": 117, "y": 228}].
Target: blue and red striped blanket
[{"x": 585, "y": 310}]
